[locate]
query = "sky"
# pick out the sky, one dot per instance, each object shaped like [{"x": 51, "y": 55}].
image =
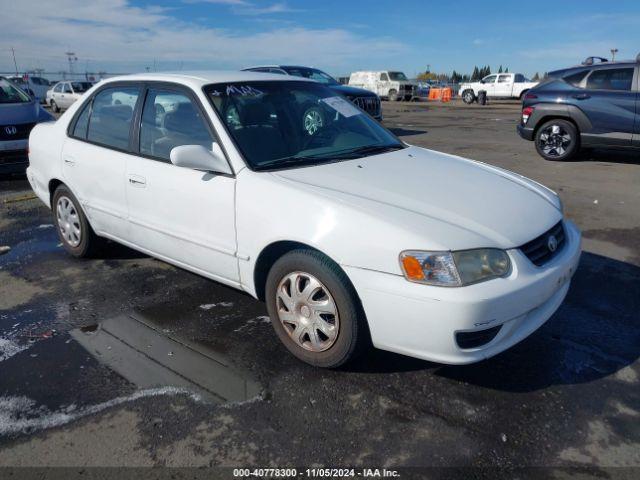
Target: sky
[{"x": 338, "y": 36}]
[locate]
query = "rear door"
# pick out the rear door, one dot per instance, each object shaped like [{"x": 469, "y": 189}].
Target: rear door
[
  {"x": 95, "y": 156},
  {"x": 636, "y": 134},
  {"x": 183, "y": 215},
  {"x": 608, "y": 97},
  {"x": 504, "y": 86},
  {"x": 66, "y": 96}
]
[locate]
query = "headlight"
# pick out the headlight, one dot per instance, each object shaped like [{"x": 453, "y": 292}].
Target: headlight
[{"x": 454, "y": 269}]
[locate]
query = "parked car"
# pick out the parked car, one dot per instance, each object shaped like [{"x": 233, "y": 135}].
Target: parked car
[
  {"x": 387, "y": 84},
  {"x": 497, "y": 85},
  {"x": 590, "y": 105},
  {"x": 64, "y": 94},
  {"x": 37, "y": 87},
  {"x": 366, "y": 100},
  {"x": 18, "y": 114},
  {"x": 349, "y": 235}
]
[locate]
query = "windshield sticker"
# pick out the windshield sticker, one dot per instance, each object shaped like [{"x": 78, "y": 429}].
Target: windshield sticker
[
  {"x": 342, "y": 106},
  {"x": 243, "y": 90}
]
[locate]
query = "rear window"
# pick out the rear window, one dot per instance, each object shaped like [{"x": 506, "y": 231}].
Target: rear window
[
  {"x": 611, "y": 79},
  {"x": 575, "y": 78}
]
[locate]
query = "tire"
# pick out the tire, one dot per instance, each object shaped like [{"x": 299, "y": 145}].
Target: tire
[
  {"x": 292, "y": 311},
  {"x": 54, "y": 106},
  {"x": 393, "y": 95},
  {"x": 468, "y": 96},
  {"x": 557, "y": 140},
  {"x": 74, "y": 231}
]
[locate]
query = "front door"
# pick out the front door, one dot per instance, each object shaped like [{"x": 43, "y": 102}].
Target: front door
[
  {"x": 94, "y": 159},
  {"x": 609, "y": 101},
  {"x": 183, "y": 215},
  {"x": 383, "y": 84},
  {"x": 489, "y": 85}
]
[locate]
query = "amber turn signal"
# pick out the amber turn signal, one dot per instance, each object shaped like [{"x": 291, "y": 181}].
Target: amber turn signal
[{"x": 412, "y": 268}]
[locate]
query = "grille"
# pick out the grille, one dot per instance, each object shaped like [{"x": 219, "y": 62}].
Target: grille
[
  {"x": 476, "y": 339},
  {"x": 21, "y": 131},
  {"x": 9, "y": 157},
  {"x": 371, "y": 105},
  {"x": 538, "y": 251}
]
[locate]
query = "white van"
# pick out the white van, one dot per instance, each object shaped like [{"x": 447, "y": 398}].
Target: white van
[{"x": 386, "y": 84}]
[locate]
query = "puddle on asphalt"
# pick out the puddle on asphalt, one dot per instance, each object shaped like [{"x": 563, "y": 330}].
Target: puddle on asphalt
[{"x": 139, "y": 347}]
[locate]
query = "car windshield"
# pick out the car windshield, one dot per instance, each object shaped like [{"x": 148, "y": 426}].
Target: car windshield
[
  {"x": 11, "y": 94},
  {"x": 81, "y": 87},
  {"x": 280, "y": 124},
  {"x": 397, "y": 76},
  {"x": 312, "y": 73}
]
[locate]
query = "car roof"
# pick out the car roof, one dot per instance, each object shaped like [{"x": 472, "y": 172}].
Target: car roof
[{"x": 198, "y": 79}]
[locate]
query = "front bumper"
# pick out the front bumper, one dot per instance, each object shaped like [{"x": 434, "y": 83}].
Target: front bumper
[
  {"x": 525, "y": 132},
  {"x": 13, "y": 156},
  {"x": 422, "y": 321}
]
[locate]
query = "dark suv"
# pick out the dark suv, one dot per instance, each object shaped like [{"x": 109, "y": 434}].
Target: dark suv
[{"x": 591, "y": 105}]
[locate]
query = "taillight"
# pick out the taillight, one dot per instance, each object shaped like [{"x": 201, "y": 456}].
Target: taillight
[
  {"x": 526, "y": 113},
  {"x": 530, "y": 96}
]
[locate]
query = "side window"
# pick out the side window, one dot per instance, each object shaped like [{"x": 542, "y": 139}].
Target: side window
[
  {"x": 111, "y": 116},
  {"x": 489, "y": 79},
  {"x": 575, "y": 78},
  {"x": 67, "y": 88},
  {"x": 58, "y": 88},
  {"x": 82, "y": 123},
  {"x": 170, "y": 119},
  {"x": 519, "y": 78},
  {"x": 504, "y": 78},
  {"x": 611, "y": 79},
  {"x": 384, "y": 77}
]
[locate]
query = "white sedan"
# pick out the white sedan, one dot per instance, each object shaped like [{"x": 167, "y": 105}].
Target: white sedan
[{"x": 349, "y": 235}]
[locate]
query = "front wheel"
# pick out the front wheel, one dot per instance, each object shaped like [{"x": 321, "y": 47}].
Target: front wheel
[
  {"x": 314, "y": 309},
  {"x": 557, "y": 140},
  {"x": 393, "y": 95},
  {"x": 468, "y": 97}
]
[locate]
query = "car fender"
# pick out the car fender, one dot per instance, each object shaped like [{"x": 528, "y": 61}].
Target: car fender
[{"x": 542, "y": 111}]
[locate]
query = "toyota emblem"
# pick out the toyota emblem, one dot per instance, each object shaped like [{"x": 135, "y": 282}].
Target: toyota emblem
[
  {"x": 552, "y": 243},
  {"x": 11, "y": 130}
]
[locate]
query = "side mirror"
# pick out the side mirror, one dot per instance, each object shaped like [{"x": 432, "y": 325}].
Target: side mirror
[{"x": 198, "y": 157}]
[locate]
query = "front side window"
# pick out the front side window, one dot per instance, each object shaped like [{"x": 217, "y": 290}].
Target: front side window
[
  {"x": 398, "y": 76},
  {"x": 296, "y": 123},
  {"x": 58, "y": 88},
  {"x": 611, "y": 79},
  {"x": 170, "y": 119},
  {"x": 10, "y": 94},
  {"x": 312, "y": 73},
  {"x": 111, "y": 116},
  {"x": 384, "y": 77},
  {"x": 489, "y": 79}
]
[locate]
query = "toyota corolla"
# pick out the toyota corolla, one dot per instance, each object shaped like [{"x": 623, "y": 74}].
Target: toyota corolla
[{"x": 349, "y": 235}]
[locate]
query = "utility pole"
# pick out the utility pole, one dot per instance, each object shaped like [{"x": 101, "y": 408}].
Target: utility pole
[
  {"x": 15, "y": 64},
  {"x": 72, "y": 59},
  {"x": 613, "y": 54}
]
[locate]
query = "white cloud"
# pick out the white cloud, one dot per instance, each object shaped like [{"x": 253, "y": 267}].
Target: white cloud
[{"x": 114, "y": 35}]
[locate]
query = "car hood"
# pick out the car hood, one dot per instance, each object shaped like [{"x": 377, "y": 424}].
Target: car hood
[
  {"x": 352, "y": 91},
  {"x": 17, "y": 113},
  {"x": 492, "y": 206}
]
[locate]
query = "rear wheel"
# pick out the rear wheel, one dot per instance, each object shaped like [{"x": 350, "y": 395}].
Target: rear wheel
[
  {"x": 468, "y": 97},
  {"x": 54, "y": 106},
  {"x": 557, "y": 140},
  {"x": 314, "y": 309},
  {"x": 74, "y": 231}
]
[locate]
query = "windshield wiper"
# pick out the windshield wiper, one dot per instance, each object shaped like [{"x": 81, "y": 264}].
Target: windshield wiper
[{"x": 369, "y": 150}]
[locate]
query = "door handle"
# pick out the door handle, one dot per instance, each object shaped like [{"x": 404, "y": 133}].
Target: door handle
[
  {"x": 582, "y": 96},
  {"x": 69, "y": 161},
  {"x": 137, "y": 181}
]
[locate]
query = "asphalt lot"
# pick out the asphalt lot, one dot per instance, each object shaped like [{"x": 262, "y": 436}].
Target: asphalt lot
[{"x": 139, "y": 390}]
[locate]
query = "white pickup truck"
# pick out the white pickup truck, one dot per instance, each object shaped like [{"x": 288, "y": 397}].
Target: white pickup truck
[{"x": 497, "y": 85}]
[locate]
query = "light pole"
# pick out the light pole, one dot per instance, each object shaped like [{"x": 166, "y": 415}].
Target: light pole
[{"x": 613, "y": 54}]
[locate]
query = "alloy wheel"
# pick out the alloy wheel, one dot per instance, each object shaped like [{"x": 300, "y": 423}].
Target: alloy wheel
[
  {"x": 68, "y": 221},
  {"x": 307, "y": 311},
  {"x": 554, "y": 141},
  {"x": 312, "y": 121}
]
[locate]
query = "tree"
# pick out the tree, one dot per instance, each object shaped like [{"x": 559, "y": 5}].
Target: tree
[
  {"x": 500, "y": 69},
  {"x": 475, "y": 75},
  {"x": 536, "y": 77},
  {"x": 506, "y": 70}
]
